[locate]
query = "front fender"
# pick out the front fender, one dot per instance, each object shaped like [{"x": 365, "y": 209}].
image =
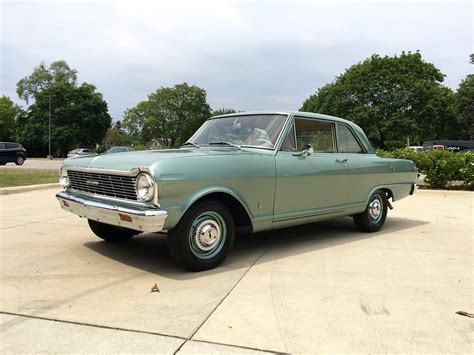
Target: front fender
[{"x": 176, "y": 213}]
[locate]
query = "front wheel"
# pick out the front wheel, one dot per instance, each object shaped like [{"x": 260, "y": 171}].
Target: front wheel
[
  {"x": 203, "y": 238},
  {"x": 111, "y": 233},
  {"x": 373, "y": 218},
  {"x": 19, "y": 160}
]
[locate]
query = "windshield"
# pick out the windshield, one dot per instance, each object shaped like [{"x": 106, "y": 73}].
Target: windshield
[
  {"x": 117, "y": 150},
  {"x": 259, "y": 131}
]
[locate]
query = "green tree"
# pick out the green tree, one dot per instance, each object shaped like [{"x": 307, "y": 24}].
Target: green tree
[
  {"x": 223, "y": 111},
  {"x": 117, "y": 136},
  {"x": 391, "y": 98},
  {"x": 171, "y": 114},
  {"x": 79, "y": 114},
  {"x": 43, "y": 77},
  {"x": 8, "y": 115},
  {"x": 465, "y": 103}
]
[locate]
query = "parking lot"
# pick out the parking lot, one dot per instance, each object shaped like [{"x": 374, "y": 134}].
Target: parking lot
[
  {"x": 322, "y": 287},
  {"x": 36, "y": 164}
]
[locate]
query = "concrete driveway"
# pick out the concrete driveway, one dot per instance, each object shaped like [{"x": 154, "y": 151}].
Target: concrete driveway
[{"x": 318, "y": 288}]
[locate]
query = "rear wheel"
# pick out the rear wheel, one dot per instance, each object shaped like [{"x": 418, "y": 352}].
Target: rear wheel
[
  {"x": 204, "y": 236},
  {"x": 111, "y": 233},
  {"x": 19, "y": 160},
  {"x": 373, "y": 218}
]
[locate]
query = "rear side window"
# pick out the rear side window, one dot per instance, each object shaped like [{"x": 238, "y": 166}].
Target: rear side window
[
  {"x": 2, "y": 145},
  {"x": 11, "y": 145},
  {"x": 320, "y": 134},
  {"x": 347, "y": 143}
]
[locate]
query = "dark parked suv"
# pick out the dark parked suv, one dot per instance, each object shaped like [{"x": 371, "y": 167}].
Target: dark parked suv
[{"x": 12, "y": 152}]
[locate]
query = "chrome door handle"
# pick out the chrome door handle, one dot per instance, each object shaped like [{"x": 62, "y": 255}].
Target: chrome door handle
[{"x": 343, "y": 161}]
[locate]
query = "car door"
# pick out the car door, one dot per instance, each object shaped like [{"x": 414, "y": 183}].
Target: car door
[{"x": 313, "y": 184}]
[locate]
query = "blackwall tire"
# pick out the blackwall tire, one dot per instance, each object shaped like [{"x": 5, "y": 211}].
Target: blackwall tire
[
  {"x": 204, "y": 236},
  {"x": 373, "y": 218},
  {"x": 111, "y": 233},
  {"x": 19, "y": 160}
]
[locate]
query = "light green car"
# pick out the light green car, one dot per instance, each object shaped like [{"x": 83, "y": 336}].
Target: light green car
[{"x": 246, "y": 171}]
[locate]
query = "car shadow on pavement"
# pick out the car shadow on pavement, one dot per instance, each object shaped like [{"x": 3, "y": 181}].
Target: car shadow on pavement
[{"x": 149, "y": 252}]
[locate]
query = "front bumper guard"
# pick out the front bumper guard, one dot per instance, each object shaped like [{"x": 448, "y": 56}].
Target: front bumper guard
[{"x": 140, "y": 219}]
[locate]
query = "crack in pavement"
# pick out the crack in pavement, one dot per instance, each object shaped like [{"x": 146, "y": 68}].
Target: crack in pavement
[
  {"x": 222, "y": 300},
  {"x": 185, "y": 340}
]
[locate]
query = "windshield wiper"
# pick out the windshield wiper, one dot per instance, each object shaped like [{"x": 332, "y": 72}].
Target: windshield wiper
[
  {"x": 190, "y": 143},
  {"x": 225, "y": 143}
]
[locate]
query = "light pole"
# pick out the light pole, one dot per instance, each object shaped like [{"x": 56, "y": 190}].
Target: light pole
[{"x": 49, "y": 129}]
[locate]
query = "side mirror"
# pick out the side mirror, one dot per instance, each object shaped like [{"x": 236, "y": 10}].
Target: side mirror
[{"x": 307, "y": 150}]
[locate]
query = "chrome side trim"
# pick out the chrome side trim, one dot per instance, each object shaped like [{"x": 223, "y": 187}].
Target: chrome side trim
[{"x": 143, "y": 219}]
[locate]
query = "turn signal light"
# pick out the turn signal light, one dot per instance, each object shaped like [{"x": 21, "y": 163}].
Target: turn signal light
[{"x": 125, "y": 217}]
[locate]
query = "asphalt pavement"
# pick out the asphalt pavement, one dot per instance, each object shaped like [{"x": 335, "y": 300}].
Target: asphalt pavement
[
  {"x": 36, "y": 164},
  {"x": 323, "y": 287}
]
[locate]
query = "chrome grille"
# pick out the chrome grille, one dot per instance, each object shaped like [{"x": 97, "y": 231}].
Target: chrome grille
[{"x": 103, "y": 184}]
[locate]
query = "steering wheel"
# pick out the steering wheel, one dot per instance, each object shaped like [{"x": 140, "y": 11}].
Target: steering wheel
[{"x": 264, "y": 142}]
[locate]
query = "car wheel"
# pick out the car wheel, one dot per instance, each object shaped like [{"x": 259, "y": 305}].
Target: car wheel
[
  {"x": 111, "y": 233},
  {"x": 203, "y": 238},
  {"x": 19, "y": 160},
  {"x": 373, "y": 218}
]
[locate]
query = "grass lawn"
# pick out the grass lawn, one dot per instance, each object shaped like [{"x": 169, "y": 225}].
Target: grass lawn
[{"x": 17, "y": 177}]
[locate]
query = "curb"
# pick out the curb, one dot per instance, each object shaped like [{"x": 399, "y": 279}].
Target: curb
[{"x": 27, "y": 188}]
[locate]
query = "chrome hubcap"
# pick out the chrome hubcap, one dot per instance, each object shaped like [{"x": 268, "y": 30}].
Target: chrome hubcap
[
  {"x": 375, "y": 209},
  {"x": 207, "y": 235}
]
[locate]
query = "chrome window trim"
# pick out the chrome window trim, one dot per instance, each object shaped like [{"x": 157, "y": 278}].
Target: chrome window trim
[
  {"x": 277, "y": 141},
  {"x": 333, "y": 131},
  {"x": 364, "y": 151}
]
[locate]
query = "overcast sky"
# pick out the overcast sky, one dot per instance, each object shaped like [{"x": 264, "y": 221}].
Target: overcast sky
[{"x": 247, "y": 55}]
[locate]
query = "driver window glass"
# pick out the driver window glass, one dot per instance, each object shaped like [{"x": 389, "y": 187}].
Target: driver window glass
[
  {"x": 289, "y": 145},
  {"x": 347, "y": 141},
  {"x": 317, "y": 133}
]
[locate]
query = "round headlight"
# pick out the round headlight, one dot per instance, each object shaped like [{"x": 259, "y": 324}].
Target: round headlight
[
  {"x": 145, "y": 187},
  {"x": 63, "y": 179}
]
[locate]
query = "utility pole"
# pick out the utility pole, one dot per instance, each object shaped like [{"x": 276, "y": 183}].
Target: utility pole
[{"x": 49, "y": 138}]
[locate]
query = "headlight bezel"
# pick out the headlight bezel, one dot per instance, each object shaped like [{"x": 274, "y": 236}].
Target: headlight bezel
[
  {"x": 151, "y": 189},
  {"x": 64, "y": 179}
]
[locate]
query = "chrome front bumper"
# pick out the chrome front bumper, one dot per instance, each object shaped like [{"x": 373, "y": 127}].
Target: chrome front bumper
[{"x": 140, "y": 219}]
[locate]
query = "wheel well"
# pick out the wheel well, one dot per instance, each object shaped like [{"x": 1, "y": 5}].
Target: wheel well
[
  {"x": 389, "y": 193},
  {"x": 240, "y": 215}
]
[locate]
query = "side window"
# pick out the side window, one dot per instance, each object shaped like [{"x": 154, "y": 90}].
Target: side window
[
  {"x": 2, "y": 145},
  {"x": 319, "y": 134},
  {"x": 347, "y": 142},
  {"x": 10, "y": 145},
  {"x": 289, "y": 144}
]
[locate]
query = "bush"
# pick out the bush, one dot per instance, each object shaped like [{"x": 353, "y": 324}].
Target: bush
[{"x": 440, "y": 166}]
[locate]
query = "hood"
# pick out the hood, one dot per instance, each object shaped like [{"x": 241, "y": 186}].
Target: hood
[{"x": 145, "y": 158}]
